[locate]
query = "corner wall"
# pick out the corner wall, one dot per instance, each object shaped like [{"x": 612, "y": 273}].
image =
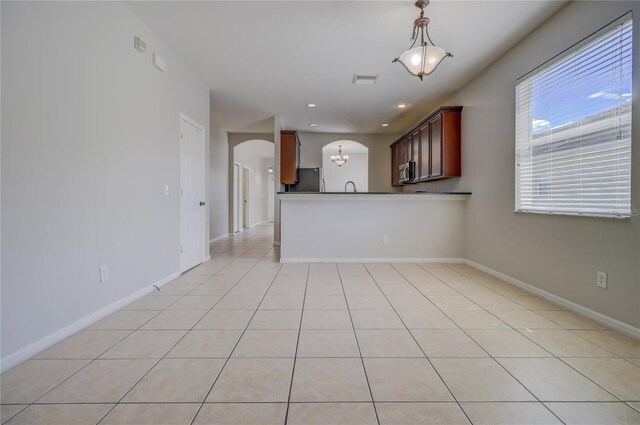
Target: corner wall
[
  {"x": 90, "y": 138},
  {"x": 559, "y": 254},
  {"x": 218, "y": 174}
]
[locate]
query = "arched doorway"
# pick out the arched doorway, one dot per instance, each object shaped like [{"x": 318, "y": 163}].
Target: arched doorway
[
  {"x": 253, "y": 186},
  {"x": 356, "y": 169}
]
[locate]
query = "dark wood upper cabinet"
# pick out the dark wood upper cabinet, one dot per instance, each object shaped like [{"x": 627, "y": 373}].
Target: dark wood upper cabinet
[
  {"x": 395, "y": 163},
  {"x": 422, "y": 171},
  {"x": 415, "y": 150},
  {"x": 435, "y": 143},
  {"x": 289, "y": 157},
  {"x": 433, "y": 146}
]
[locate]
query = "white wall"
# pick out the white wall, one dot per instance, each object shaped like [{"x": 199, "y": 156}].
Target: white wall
[
  {"x": 250, "y": 154},
  {"x": 90, "y": 137},
  {"x": 342, "y": 228},
  {"x": 356, "y": 170},
  {"x": 559, "y": 254},
  {"x": 218, "y": 174},
  {"x": 379, "y": 154}
]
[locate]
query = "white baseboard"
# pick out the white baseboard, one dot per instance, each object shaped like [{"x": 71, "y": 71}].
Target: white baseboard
[
  {"x": 218, "y": 238},
  {"x": 372, "y": 260},
  {"x": 51, "y": 339},
  {"x": 569, "y": 305},
  {"x": 259, "y": 224}
]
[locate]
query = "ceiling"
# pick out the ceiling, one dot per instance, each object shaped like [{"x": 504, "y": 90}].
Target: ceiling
[
  {"x": 348, "y": 147},
  {"x": 267, "y": 58}
]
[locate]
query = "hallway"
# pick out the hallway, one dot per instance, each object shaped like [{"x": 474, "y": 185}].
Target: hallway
[{"x": 243, "y": 339}]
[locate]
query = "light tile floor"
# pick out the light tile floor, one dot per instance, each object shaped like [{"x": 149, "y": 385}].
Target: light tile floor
[{"x": 242, "y": 339}]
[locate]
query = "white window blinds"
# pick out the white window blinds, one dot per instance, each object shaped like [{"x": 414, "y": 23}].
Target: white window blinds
[{"x": 573, "y": 129}]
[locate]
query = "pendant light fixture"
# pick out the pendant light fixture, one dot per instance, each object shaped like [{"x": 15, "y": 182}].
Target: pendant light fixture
[
  {"x": 339, "y": 159},
  {"x": 425, "y": 58}
]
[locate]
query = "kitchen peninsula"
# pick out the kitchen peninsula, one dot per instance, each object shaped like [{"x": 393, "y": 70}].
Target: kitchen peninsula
[{"x": 372, "y": 226}]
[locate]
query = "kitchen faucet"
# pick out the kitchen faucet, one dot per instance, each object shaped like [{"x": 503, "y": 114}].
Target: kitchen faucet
[{"x": 354, "y": 186}]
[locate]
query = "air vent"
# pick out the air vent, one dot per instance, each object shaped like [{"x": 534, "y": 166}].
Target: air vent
[{"x": 365, "y": 80}]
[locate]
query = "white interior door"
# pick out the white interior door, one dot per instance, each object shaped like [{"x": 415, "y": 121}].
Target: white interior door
[
  {"x": 192, "y": 196},
  {"x": 270, "y": 196},
  {"x": 246, "y": 197}
]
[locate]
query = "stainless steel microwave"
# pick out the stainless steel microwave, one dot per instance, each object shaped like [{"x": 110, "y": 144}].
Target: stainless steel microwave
[{"x": 406, "y": 171}]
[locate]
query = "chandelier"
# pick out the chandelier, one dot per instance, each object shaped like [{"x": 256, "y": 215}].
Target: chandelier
[
  {"x": 425, "y": 58},
  {"x": 339, "y": 159}
]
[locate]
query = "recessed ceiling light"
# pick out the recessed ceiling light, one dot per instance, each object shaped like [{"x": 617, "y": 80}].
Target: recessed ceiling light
[
  {"x": 401, "y": 105},
  {"x": 385, "y": 125},
  {"x": 311, "y": 105},
  {"x": 313, "y": 124}
]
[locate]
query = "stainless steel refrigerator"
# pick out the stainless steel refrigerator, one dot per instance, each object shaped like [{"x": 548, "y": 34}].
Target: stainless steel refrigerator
[{"x": 309, "y": 180}]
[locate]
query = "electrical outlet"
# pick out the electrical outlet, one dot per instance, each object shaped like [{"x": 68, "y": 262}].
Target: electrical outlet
[
  {"x": 601, "y": 280},
  {"x": 104, "y": 273},
  {"x": 385, "y": 239},
  {"x": 166, "y": 189}
]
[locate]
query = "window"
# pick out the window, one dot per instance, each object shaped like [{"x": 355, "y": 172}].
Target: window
[{"x": 573, "y": 129}]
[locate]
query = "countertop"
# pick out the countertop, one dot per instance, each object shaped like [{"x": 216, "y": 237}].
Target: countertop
[
  {"x": 375, "y": 193},
  {"x": 373, "y": 196}
]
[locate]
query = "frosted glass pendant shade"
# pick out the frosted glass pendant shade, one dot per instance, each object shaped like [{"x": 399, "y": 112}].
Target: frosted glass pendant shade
[
  {"x": 422, "y": 60},
  {"x": 425, "y": 58}
]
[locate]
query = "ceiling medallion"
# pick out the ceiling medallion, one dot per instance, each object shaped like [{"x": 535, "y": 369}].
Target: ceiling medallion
[
  {"x": 425, "y": 58},
  {"x": 339, "y": 159}
]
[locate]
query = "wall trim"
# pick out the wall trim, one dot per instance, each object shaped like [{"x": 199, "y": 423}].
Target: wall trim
[
  {"x": 259, "y": 223},
  {"x": 610, "y": 322},
  {"x": 219, "y": 238},
  {"x": 42, "y": 344},
  {"x": 372, "y": 260}
]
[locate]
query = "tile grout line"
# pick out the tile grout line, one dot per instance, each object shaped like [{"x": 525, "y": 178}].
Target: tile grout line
[
  {"x": 573, "y": 331},
  {"x": 179, "y": 340},
  {"x": 469, "y": 336},
  {"x": 295, "y": 357},
  {"x": 414, "y": 339},
  {"x": 238, "y": 341},
  {"x": 91, "y": 361},
  {"x": 561, "y": 359},
  {"x": 355, "y": 334}
]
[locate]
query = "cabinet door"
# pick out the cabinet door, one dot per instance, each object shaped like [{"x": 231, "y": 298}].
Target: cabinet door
[
  {"x": 406, "y": 149},
  {"x": 436, "y": 146},
  {"x": 395, "y": 162},
  {"x": 289, "y": 158},
  {"x": 415, "y": 153},
  {"x": 425, "y": 155},
  {"x": 297, "y": 148}
]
